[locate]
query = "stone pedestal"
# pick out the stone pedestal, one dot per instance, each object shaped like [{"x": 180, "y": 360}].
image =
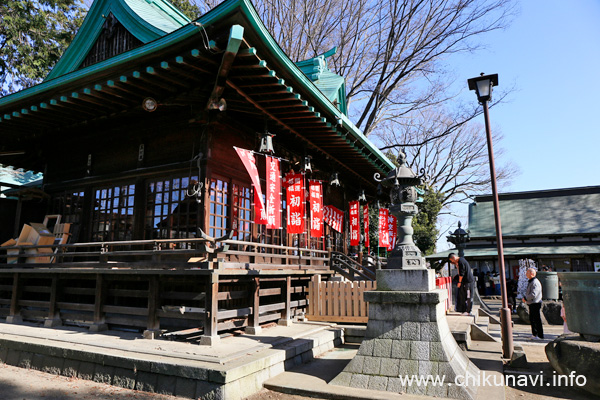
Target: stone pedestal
[{"x": 408, "y": 336}]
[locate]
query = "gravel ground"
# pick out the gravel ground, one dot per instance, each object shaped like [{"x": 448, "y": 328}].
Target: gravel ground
[{"x": 29, "y": 384}]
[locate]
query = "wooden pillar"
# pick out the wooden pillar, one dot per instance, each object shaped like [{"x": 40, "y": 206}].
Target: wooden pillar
[
  {"x": 211, "y": 311},
  {"x": 53, "y": 318},
  {"x": 99, "y": 300},
  {"x": 253, "y": 327},
  {"x": 18, "y": 217},
  {"x": 153, "y": 326},
  {"x": 14, "y": 317},
  {"x": 286, "y": 315}
]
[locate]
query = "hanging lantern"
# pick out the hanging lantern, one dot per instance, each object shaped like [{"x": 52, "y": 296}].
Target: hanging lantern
[
  {"x": 335, "y": 181},
  {"x": 266, "y": 143}
]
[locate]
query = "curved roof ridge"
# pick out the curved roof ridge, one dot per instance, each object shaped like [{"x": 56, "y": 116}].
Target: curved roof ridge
[{"x": 147, "y": 20}]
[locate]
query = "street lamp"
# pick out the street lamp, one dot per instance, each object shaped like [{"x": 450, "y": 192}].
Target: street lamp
[{"x": 483, "y": 88}]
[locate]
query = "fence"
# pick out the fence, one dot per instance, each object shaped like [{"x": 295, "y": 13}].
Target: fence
[
  {"x": 445, "y": 283},
  {"x": 343, "y": 301},
  {"x": 338, "y": 301}
]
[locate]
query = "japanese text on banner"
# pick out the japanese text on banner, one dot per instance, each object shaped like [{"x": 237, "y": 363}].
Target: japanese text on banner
[
  {"x": 366, "y": 224},
  {"x": 316, "y": 208},
  {"x": 392, "y": 226},
  {"x": 295, "y": 203},
  {"x": 354, "y": 224},
  {"x": 273, "y": 193},
  {"x": 384, "y": 231}
]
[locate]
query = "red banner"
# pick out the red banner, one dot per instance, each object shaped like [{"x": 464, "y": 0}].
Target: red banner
[
  {"x": 384, "y": 230},
  {"x": 249, "y": 162},
  {"x": 273, "y": 193},
  {"x": 354, "y": 224},
  {"x": 366, "y": 224},
  {"x": 316, "y": 208},
  {"x": 334, "y": 217},
  {"x": 295, "y": 203},
  {"x": 392, "y": 226}
]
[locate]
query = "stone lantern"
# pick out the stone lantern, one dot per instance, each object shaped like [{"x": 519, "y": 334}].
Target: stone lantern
[
  {"x": 407, "y": 332},
  {"x": 459, "y": 238},
  {"x": 402, "y": 183}
]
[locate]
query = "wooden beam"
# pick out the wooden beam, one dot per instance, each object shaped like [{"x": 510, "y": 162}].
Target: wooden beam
[
  {"x": 254, "y": 322},
  {"x": 211, "y": 305},
  {"x": 99, "y": 323},
  {"x": 257, "y": 104}
]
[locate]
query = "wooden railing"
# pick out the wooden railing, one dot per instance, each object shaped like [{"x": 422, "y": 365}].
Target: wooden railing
[{"x": 173, "y": 253}]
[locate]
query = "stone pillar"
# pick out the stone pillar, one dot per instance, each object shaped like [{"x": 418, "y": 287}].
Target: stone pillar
[{"x": 408, "y": 335}]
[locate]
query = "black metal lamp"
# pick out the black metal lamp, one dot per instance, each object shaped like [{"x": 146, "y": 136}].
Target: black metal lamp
[
  {"x": 362, "y": 198},
  {"x": 266, "y": 143},
  {"x": 459, "y": 238},
  {"x": 307, "y": 164},
  {"x": 482, "y": 86},
  {"x": 335, "y": 180}
]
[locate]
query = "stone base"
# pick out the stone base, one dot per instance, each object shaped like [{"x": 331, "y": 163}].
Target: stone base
[
  {"x": 209, "y": 340},
  {"x": 52, "y": 322},
  {"x": 408, "y": 335},
  {"x": 285, "y": 322},
  {"x": 152, "y": 334},
  {"x": 570, "y": 354},
  {"x": 252, "y": 330},
  {"x": 14, "y": 319},
  {"x": 99, "y": 327}
]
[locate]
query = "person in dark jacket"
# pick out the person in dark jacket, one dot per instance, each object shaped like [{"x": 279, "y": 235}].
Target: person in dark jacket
[
  {"x": 465, "y": 285},
  {"x": 533, "y": 297}
]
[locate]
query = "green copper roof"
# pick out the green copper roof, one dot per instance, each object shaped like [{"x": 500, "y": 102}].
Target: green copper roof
[
  {"x": 147, "y": 20},
  {"x": 66, "y": 72},
  {"x": 517, "y": 251},
  {"x": 549, "y": 212},
  {"x": 332, "y": 85}
]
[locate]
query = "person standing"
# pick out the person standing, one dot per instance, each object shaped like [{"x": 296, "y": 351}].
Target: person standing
[
  {"x": 465, "y": 287},
  {"x": 533, "y": 297}
]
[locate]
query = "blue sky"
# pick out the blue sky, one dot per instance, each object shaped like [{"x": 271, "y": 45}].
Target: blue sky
[
  {"x": 551, "y": 54},
  {"x": 550, "y": 122}
]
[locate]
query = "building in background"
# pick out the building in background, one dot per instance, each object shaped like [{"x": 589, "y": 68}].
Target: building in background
[{"x": 558, "y": 228}]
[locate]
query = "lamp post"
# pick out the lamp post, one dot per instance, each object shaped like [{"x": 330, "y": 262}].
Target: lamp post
[{"x": 483, "y": 88}]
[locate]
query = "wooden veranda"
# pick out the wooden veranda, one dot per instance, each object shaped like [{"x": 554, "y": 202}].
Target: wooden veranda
[{"x": 147, "y": 286}]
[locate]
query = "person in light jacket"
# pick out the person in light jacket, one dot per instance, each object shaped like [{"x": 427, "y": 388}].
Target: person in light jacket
[{"x": 533, "y": 297}]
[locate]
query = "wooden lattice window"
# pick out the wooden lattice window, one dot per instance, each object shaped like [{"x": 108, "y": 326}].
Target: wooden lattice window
[
  {"x": 242, "y": 212},
  {"x": 113, "y": 40},
  {"x": 112, "y": 217},
  {"x": 218, "y": 216},
  {"x": 171, "y": 213},
  {"x": 69, "y": 205}
]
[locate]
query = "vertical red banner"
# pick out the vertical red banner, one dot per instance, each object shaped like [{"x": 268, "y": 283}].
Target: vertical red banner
[
  {"x": 260, "y": 213},
  {"x": 366, "y": 224},
  {"x": 354, "y": 224},
  {"x": 316, "y": 208},
  {"x": 384, "y": 230},
  {"x": 392, "y": 224},
  {"x": 273, "y": 193},
  {"x": 295, "y": 204}
]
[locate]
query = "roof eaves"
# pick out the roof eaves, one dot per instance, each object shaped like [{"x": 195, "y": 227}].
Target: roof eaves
[{"x": 246, "y": 6}]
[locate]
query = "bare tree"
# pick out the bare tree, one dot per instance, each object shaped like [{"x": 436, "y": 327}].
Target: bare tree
[
  {"x": 390, "y": 51},
  {"x": 454, "y": 156}
]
